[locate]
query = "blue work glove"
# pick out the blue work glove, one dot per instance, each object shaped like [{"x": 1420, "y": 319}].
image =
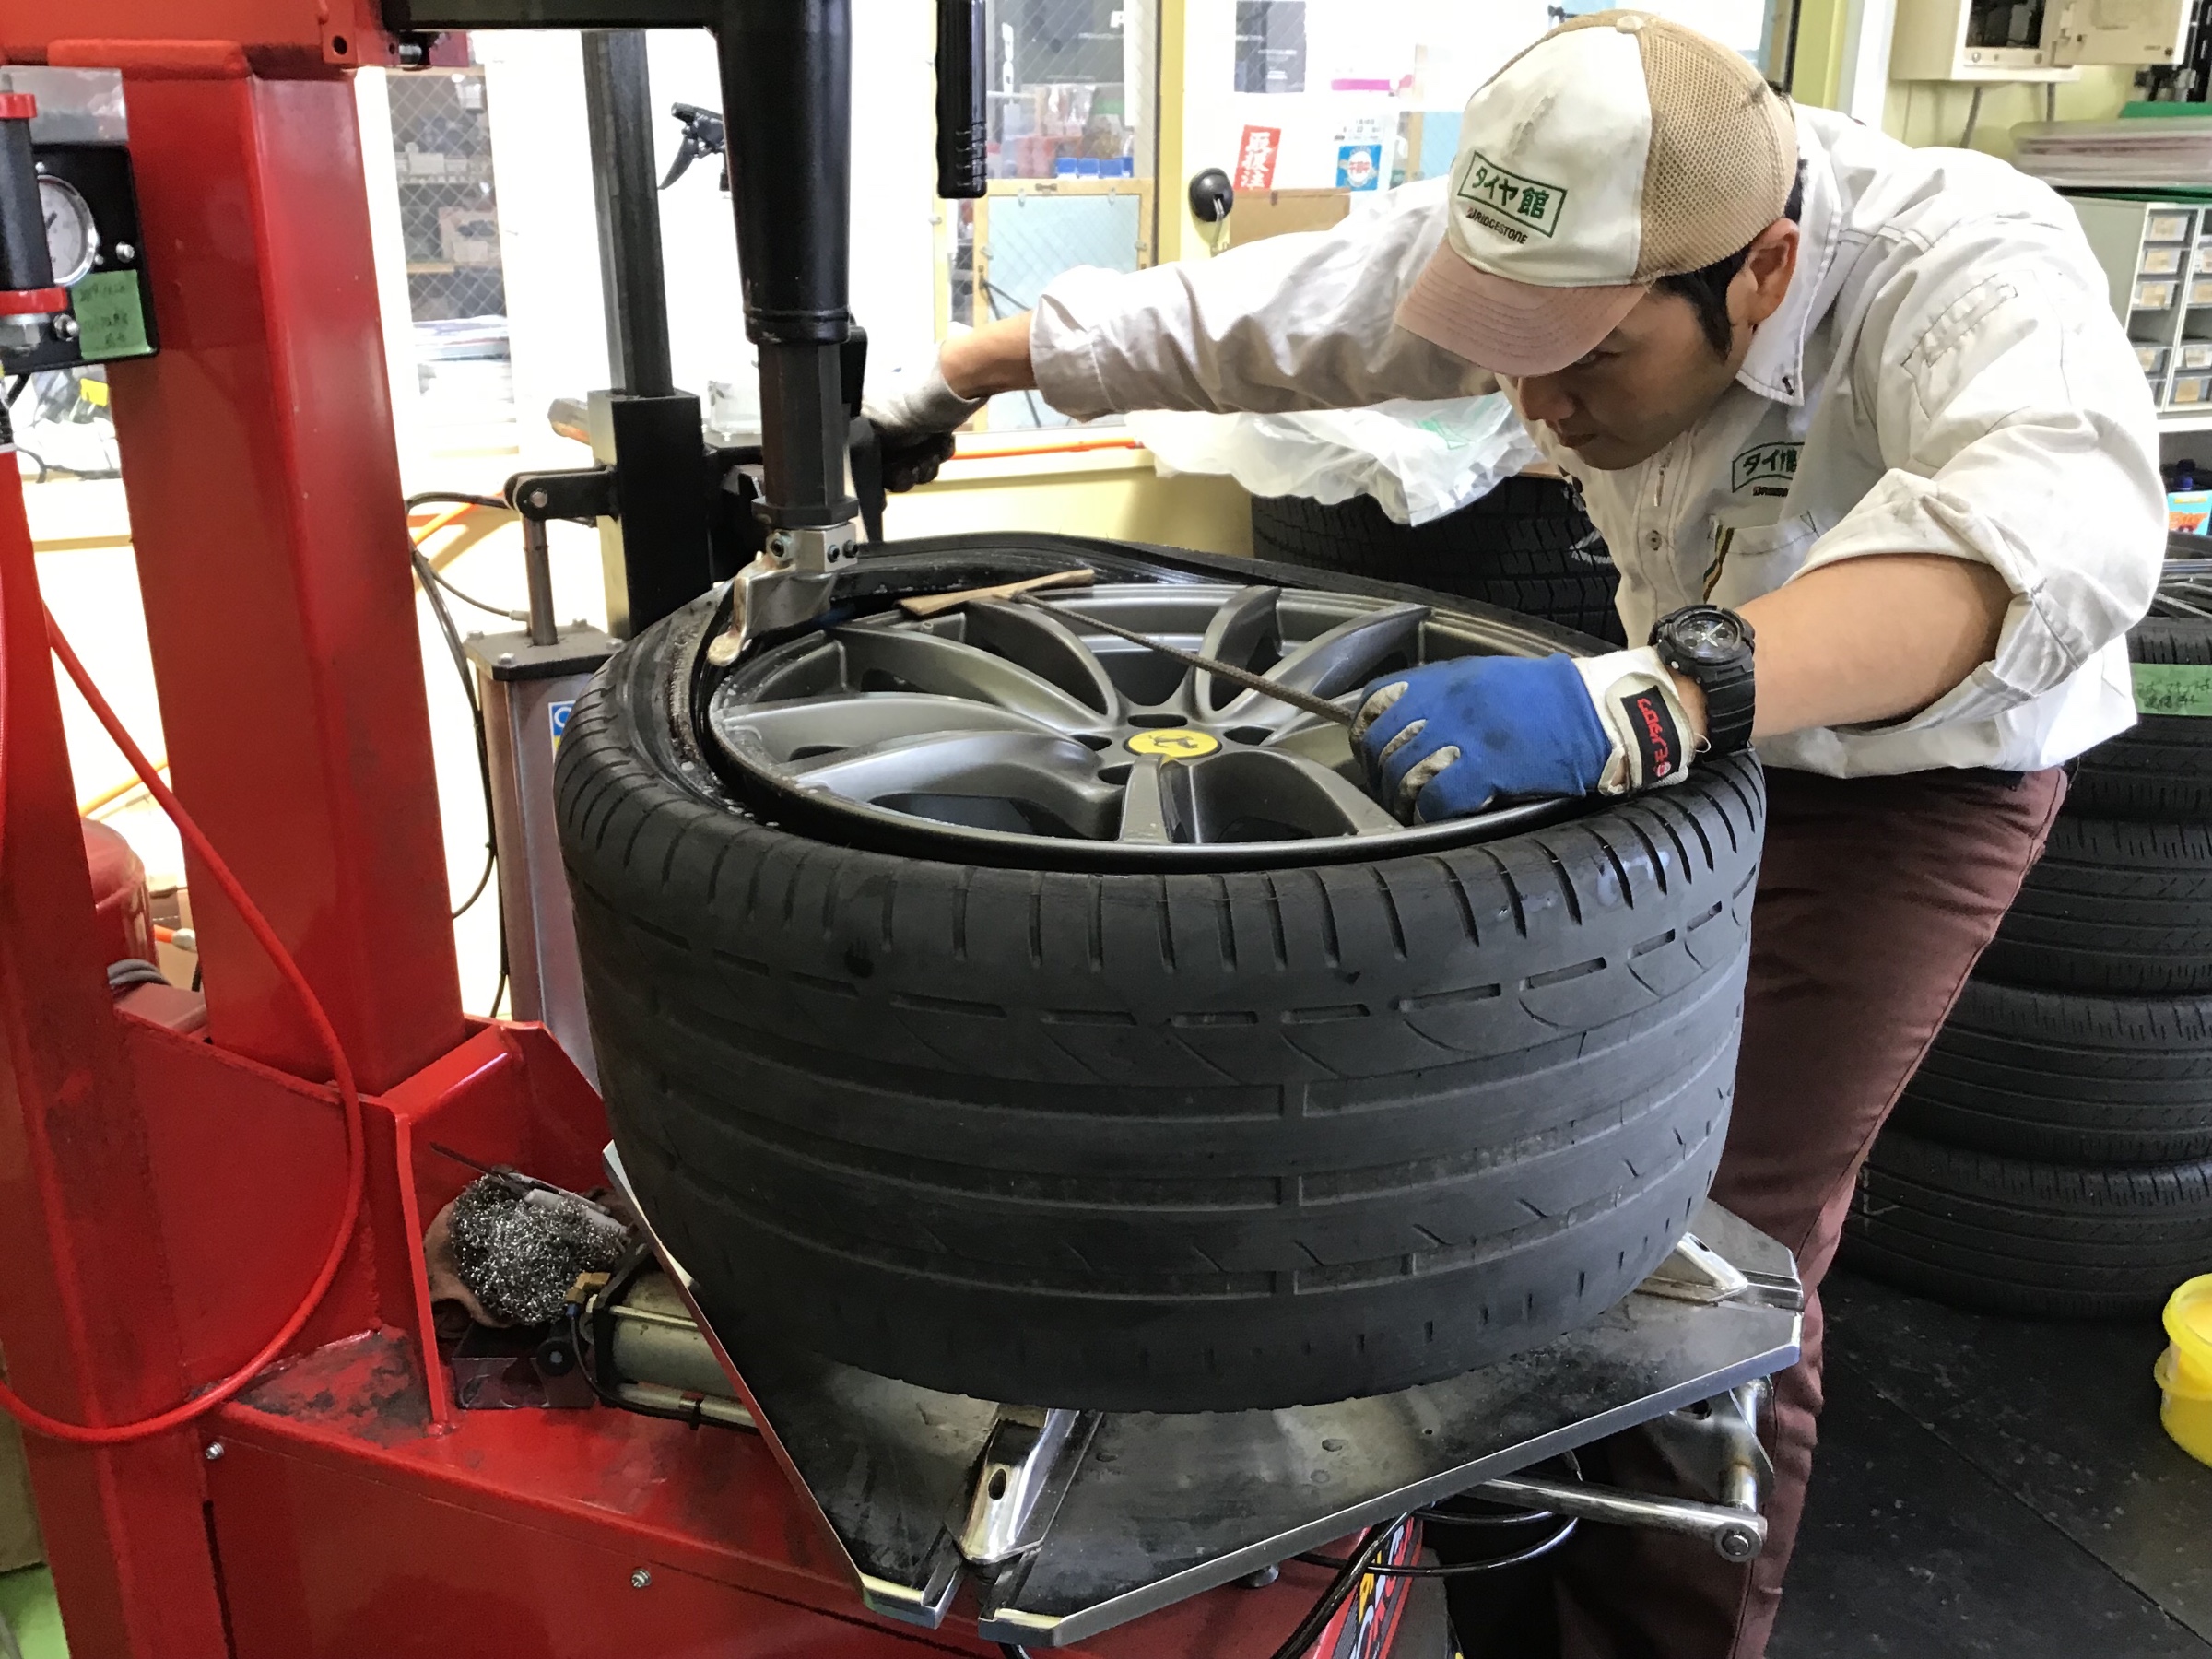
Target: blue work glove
[{"x": 1452, "y": 738}]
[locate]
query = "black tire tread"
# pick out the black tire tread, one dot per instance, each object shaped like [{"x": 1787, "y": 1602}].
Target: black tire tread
[
  {"x": 2159, "y": 769},
  {"x": 2114, "y": 906},
  {"x": 1526, "y": 545},
  {"x": 2067, "y": 1078},
  {"x": 2013, "y": 1236}
]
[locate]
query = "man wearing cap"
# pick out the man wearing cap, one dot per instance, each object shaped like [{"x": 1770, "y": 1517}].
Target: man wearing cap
[{"x": 1881, "y": 474}]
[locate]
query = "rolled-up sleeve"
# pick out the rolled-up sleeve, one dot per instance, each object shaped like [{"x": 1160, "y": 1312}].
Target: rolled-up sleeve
[
  {"x": 2016, "y": 429},
  {"x": 1299, "y": 322}
]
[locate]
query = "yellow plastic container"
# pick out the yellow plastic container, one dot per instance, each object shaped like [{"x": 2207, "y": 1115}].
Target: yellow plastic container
[{"x": 2185, "y": 1370}]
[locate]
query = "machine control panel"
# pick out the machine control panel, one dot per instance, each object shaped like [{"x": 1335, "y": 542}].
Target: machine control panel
[{"x": 88, "y": 300}]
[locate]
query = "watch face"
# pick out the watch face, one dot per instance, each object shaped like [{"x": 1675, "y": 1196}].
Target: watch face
[
  {"x": 1710, "y": 638},
  {"x": 72, "y": 238}
]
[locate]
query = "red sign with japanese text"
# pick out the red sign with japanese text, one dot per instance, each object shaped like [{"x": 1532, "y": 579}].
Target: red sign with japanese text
[{"x": 1255, "y": 157}]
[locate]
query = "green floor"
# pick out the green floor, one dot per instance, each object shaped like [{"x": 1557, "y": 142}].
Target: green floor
[{"x": 26, "y": 1603}]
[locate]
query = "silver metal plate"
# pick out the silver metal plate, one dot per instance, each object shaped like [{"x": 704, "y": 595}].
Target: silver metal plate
[{"x": 1165, "y": 1507}]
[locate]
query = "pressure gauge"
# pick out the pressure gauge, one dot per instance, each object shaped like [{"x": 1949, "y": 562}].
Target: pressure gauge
[{"x": 71, "y": 237}]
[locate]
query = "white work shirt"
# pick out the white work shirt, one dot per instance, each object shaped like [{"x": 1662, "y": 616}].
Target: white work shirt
[{"x": 1944, "y": 375}]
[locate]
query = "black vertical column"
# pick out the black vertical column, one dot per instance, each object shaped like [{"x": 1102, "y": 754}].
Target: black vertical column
[
  {"x": 963, "y": 117},
  {"x": 786, "y": 89},
  {"x": 618, "y": 105},
  {"x": 655, "y": 552}
]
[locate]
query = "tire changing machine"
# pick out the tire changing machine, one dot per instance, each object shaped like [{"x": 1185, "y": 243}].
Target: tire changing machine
[{"x": 343, "y": 1503}]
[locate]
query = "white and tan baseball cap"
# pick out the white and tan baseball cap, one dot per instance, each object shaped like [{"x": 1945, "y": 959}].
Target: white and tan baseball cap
[{"x": 1620, "y": 149}]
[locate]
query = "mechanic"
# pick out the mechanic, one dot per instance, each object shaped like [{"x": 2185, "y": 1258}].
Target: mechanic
[{"x": 1879, "y": 471}]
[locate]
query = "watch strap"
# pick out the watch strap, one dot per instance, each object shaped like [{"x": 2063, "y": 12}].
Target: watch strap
[{"x": 1729, "y": 686}]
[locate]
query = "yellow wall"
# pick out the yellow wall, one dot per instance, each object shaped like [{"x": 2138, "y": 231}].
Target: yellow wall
[
  {"x": 1116, "y": 494},
  {"x": 1936, "y": 111}
]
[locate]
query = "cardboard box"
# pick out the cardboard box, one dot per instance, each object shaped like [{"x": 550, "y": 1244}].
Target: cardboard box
[
  {"x": 19, "y": 1542},
  {"x": 1264, "y": 213}
]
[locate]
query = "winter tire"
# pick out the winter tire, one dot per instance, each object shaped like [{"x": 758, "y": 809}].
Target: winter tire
[{"x": 1526, "y": 545}]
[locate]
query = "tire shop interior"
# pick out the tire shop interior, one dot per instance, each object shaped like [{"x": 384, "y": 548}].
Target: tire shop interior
[{"x": 609, "y": 1124}]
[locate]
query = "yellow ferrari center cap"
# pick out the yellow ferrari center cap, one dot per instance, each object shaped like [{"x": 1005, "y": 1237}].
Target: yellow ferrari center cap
[{"x": 1178, "y": 743}]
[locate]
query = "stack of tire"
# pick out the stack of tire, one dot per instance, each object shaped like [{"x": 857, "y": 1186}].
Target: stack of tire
[
  {"x": 2053, "y": 1155},
  {"x": 1526, "y": 546}
]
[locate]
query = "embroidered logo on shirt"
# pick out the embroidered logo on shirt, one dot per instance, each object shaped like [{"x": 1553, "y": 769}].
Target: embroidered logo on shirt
[
  {"x": 1652, "y": 725},
  {"x": 1765, "y": 470},
  {"x": 1528, "y": 201}
]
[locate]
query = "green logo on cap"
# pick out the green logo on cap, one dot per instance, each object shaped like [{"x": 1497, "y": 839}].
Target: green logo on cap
[{"x": 1529, "y": 202}]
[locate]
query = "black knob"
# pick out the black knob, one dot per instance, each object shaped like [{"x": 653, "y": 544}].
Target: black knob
[{"x": 1211, "y": 197}]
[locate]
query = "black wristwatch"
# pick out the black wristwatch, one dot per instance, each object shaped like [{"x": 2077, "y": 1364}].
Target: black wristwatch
[{"x": 1711, "y": 648}]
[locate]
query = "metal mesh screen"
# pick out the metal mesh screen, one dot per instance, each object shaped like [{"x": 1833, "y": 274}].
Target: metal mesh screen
[
  {"x": 1073, "y": 101},
  {"x": 448, "y": 211},
  {"x": 448, "y": 218},
  {"x": 1033, "y": 238},
  {"x": 1070, "y": 88}
]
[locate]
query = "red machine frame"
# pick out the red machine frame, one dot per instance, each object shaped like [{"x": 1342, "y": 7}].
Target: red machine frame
[{"x": 165, "y": 1196}]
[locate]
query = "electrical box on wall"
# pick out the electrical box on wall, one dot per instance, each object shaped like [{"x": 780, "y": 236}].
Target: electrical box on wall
[
  {"x": 2122, "y": 31},
  {"x": 2033, "y": 39}
]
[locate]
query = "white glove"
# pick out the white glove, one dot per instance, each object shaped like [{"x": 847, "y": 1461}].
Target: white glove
[
  {"x": 914, "y": 419},
  {"x": 916, "y": 405}
]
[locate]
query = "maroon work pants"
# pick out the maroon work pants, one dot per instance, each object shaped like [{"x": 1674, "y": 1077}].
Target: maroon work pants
[{"x": 1875, "y": 897}]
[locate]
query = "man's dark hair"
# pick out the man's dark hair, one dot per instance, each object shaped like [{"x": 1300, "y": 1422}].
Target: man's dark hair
[{"x": 1707, "y": 289}]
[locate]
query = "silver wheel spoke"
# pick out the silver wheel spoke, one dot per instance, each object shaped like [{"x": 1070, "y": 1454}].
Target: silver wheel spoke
[
  {"x": 1239, "y": 631},
  {"x": 803, "y": 728},
  {"x": 1341, "y": 660},
  {"x": 1147, "y": 816},
  {"x": 1321, "y": 741},
  {"x": 928, "y": 662},
  {"x": 1057, "y": 775},
  {"x": 1268, "y": 795},
  {"x": 1034, "y": 639}
]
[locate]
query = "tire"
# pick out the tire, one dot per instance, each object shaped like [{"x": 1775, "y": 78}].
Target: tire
[
  {"x": 2160, "y": 768},
  {"x": 2113, "y": 907},
  {"x": 2074, "y": 1079},
  {"x": 1183, "y": 1143},
  {"x": 2009, "y": 1236},
  {"x": 1526, "y": 545}
]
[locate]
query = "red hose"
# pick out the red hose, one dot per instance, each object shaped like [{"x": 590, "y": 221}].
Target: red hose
[{"x": 115, "y": 1434}]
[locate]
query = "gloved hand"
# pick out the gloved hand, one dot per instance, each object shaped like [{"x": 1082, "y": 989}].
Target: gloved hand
[
  {"x": 915, "y": 418},
  {"x": 1451, "y": 738}
]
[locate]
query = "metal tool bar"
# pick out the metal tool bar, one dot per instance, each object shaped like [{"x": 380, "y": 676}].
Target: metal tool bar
[
  {"x": 1191, "y": 659},
  {"x": 537, "y": 572},
  {"x": 1736, "y": 1534}
]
